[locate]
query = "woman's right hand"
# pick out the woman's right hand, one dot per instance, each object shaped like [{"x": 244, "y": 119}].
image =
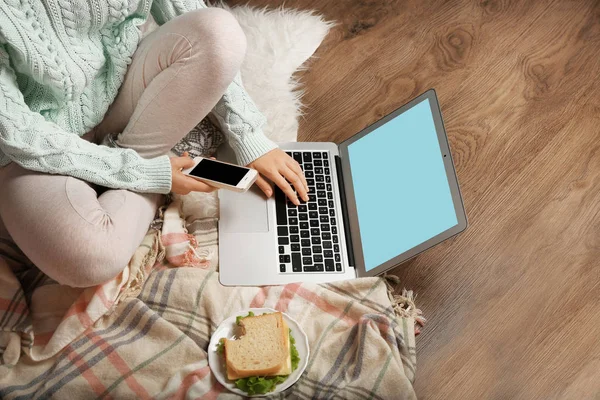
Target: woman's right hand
[{"x": 183, "y": 184}]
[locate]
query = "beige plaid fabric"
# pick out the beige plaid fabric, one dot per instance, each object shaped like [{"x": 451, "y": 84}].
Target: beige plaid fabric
[{"x": 145, "y": 334}]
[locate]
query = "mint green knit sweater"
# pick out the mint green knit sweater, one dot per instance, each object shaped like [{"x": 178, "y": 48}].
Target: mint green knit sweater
[{"x": 61, "y": 65}]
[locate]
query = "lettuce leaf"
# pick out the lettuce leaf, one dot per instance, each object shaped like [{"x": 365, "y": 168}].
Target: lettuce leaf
[
  {"x": 294, "y": 353},
  {"x": 265, "y": 384},
  {"x": 221, "y": 346},
  {"x": 258, "y": 384},
  {"x": 241, "y": 317}
]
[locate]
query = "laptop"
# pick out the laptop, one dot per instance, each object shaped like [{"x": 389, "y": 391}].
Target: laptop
[{"x": 378, "y": 199}]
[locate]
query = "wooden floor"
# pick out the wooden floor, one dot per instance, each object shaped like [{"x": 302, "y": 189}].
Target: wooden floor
[{"x": 513, "y": 303}]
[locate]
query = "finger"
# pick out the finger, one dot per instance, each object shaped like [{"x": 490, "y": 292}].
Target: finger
[
  {"x": 264, "y": 186},
  {"x": 294, "y": 166},
  {"x": 182, "y": 162},
  {"x": 285, "y": 187},
  {"x": 186, "y": 155},
  {"x": 195, "y": 185},
  {"x": 295, "y": 180}
]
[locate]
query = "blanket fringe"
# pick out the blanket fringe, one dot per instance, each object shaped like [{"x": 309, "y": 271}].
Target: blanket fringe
[
  {"x": 404, "y": 304},
  {"x": 159, "y": 218},
  {"x": 134, "y": 286},
  {"x": 193, "y": 257},
  {"x": 203, "y": 255}
]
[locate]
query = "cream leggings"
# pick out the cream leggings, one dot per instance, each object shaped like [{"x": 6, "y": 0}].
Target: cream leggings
[{"x": 178, "y": 74}]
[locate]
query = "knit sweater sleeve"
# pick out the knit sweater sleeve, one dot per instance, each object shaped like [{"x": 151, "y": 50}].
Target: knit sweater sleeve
[
  {"x": 27, "y": 139},
  {"x": 237, "y": 114}
]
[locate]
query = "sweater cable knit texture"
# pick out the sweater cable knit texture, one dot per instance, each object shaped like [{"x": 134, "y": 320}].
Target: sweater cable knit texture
[{"x": 62, "y": 63}]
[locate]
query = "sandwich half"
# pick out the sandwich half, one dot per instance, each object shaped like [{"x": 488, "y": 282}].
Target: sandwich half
[{"x": 263, "y": 350}]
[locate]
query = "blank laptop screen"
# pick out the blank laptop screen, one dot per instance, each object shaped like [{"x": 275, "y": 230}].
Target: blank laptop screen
[{"x": 402, "y": 193}]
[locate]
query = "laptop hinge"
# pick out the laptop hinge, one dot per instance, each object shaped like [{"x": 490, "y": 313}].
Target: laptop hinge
[{"x": 338, "y": 168}]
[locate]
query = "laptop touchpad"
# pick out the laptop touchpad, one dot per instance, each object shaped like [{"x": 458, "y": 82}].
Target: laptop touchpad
[{"x": 243, "y": 212}]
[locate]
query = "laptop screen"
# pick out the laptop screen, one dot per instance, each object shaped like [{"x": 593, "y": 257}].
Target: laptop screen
[{"x": 401, "y": 189}]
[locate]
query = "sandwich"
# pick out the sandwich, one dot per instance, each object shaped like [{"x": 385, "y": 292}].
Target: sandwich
[{"x": 263, "y": 356}]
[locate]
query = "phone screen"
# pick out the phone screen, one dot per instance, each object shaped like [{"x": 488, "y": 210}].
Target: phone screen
[{"x": 219, "y": 172}]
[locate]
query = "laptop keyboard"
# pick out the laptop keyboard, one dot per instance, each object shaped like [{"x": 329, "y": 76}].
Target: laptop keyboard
[{"x": 308, "y": 239}]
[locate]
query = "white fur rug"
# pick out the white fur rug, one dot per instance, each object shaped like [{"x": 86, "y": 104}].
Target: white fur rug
[{"x": 279, "y": 42}]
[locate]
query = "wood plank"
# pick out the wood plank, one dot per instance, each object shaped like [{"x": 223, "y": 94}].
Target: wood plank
[{"x": 512, "y": 303}]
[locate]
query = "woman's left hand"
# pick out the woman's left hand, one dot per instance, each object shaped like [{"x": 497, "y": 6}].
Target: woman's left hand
[{"x": 281, "y": 169}]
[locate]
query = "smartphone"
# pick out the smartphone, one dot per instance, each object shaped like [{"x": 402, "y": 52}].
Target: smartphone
[{"x": 222, "y": 175}]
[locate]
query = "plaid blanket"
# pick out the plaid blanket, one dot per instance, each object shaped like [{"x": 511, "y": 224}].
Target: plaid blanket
[{"x": 145, "y": 333}]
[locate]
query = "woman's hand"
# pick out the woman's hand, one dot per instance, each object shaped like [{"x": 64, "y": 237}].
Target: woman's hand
[
  {"x": 278, "y": 166},
  {"x": 183, "y": 184}
]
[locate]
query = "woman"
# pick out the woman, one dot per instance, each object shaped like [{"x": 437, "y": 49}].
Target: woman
[{"x": 62, "y": 64}]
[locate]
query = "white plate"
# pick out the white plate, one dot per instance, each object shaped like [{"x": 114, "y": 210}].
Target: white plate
[{"x": 227, "y": 329}]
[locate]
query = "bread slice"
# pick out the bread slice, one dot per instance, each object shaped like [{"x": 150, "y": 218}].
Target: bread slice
[
  {"x": 286, "y": 368},
  {"x": 263, "y": 350}
]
